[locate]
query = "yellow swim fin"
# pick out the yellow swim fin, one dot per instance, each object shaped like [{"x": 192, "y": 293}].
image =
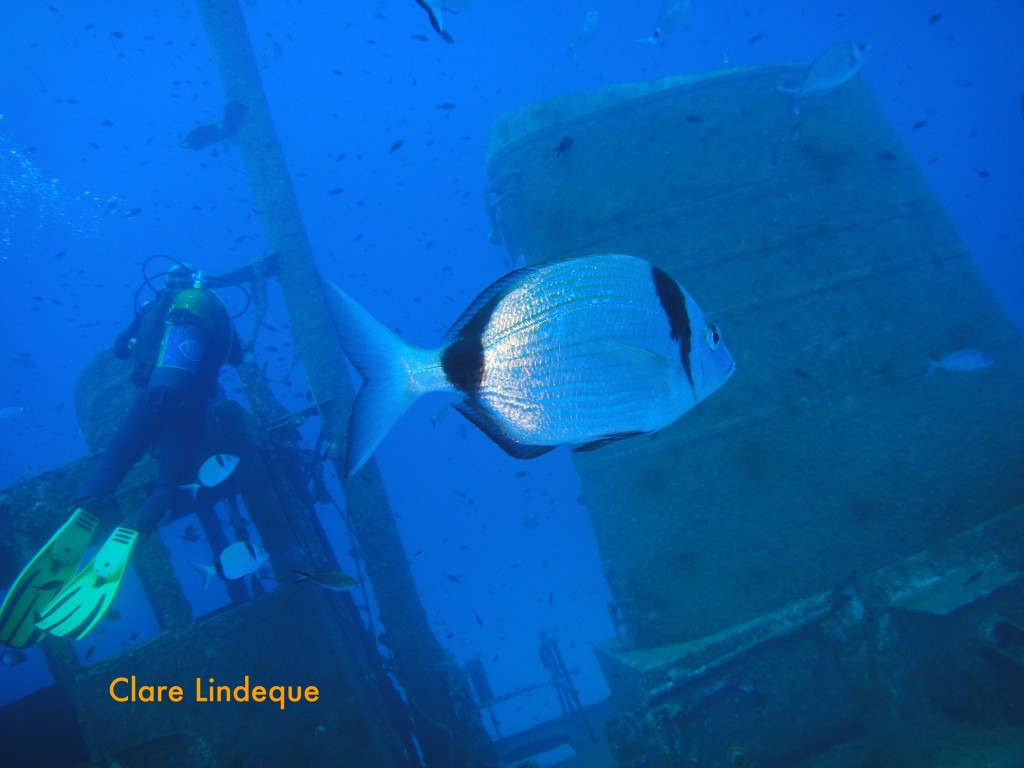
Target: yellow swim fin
[
  {"x": 83, "y": 601},
  {"x": 44, "y": 576}
]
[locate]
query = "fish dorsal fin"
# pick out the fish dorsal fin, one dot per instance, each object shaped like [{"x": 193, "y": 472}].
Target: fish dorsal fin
[
  {"x": 479, "y": 310},
  {"x": 486, "y": 424},
  {"x": 463, "y": 356}
]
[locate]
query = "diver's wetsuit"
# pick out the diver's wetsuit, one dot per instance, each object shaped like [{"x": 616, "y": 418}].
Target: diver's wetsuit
[{"x": 169, "y": 410}]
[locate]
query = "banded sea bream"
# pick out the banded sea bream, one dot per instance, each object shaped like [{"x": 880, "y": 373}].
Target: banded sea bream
[{"x": 582, "y": 352}]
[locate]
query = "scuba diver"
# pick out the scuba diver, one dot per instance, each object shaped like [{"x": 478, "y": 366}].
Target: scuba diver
[{"x": 179, "y": 341}]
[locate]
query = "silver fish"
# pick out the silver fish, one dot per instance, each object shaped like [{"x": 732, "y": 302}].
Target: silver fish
[
  {"x": 585, "y": 31},
  {"x": 834, "y": 67},
  {"x": 12, "y": 412},
  {"x": 237, "y": 560},
  {"x": 670, "y": 17},
  {"x": 580, "y": 352},
  {"x": 335, "y": 581},
  {"x": 214, "y": 471},
  {"x": 963, "y": 360}
]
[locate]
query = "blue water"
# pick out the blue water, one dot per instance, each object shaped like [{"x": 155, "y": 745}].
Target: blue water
[{"x": 95, "y": 100}]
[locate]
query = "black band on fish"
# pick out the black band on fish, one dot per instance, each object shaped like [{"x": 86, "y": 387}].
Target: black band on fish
[
  {"x": 674, "y": 303},
  {"x": 463, "y": 359},
  {"x": 463, "y": 364}
]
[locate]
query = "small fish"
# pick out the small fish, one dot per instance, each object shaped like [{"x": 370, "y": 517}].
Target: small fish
[
  {"x": 217, "y": 469},
  {"x": 934, "y": 18},
  {"x": 12, "y": 657},
  {"x": 396, "y": 145},
  {"x": 919, "y": 125},
  {"x": 236, "y": 521},
  {"x": 335, "y": 581},
  {"x": 585, "y": 31},
  {"x": 272, "y": 50},
  {"x": 834, "y": 67},
  {"x": 477, "y": 617},
  {"x": 670, "y": 17},
  {"x": 11, "y": 412},
  {"x": 564, "y": 146},
  {"x": 190, "y": 535},
  {"x": 963, "y": 361},
  {"x": 238, "y": 560},
  {"x": 583, "y": 352},
  {"x": 214, "y": 471},
  {"x": 202, "y": 137}
]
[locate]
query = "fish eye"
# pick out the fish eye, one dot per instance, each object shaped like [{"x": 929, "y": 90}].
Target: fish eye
[{"x": 714, "y": 338}]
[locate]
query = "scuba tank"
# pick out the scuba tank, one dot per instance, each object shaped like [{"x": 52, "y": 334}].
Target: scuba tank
[{"x": 184, "y": 351}]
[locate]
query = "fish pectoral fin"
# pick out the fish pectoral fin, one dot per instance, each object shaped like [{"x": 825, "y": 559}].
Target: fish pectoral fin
[
  {"x": 486, "y": 424},
  {"x": 648, "y": 364},
  {"x": 792, "y": 93},
  {"x": 638, "y": 355}
]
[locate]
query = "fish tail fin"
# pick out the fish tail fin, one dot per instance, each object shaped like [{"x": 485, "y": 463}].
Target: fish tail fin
[
  {"x": 790, "y": 93},
  {"x": 302, "y": 575},
  {"x": 933, "y": 366},
  {"x": 394, "y": 373},
  {"x": 208, "y": 571}
]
